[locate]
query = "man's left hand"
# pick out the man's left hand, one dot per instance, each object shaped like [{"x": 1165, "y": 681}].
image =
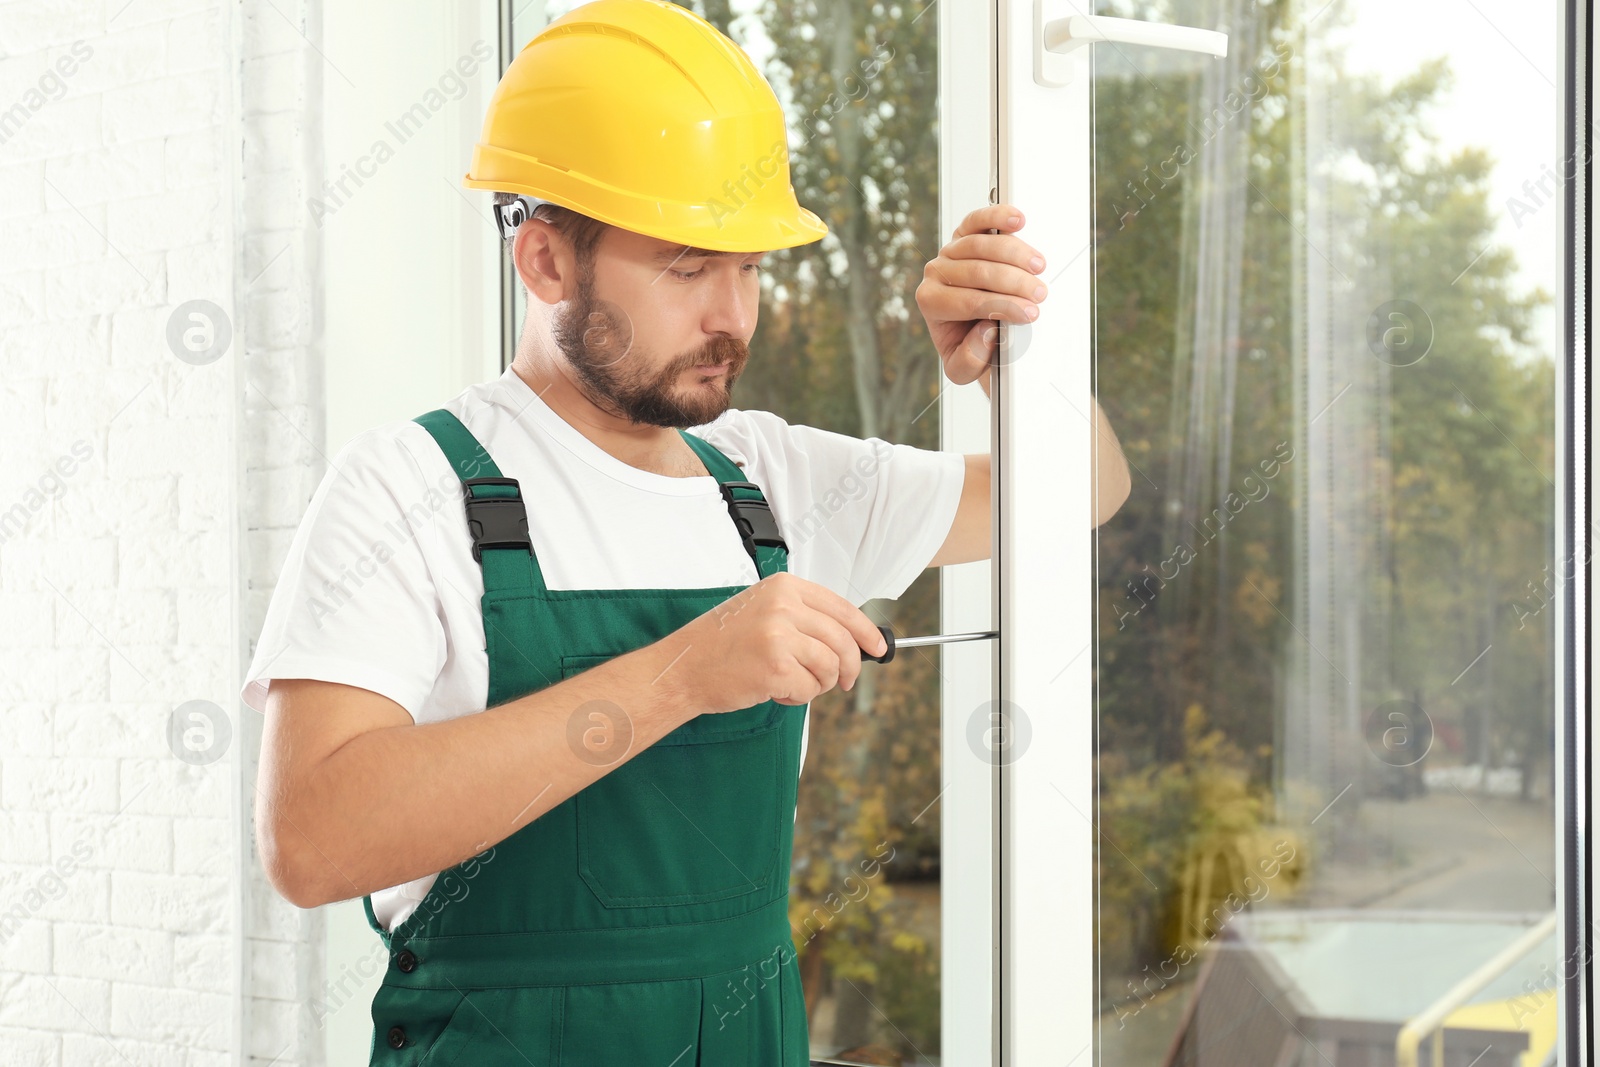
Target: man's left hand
[{"x": 976, "y": 279}]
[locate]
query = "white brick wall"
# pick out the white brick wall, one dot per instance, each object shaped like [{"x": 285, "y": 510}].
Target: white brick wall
[
  {"x": 145, "y": 503},
  {"x": 280, "y": 449}
]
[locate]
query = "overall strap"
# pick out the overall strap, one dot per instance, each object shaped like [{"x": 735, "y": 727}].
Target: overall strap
[
  {"x": 752, "y": 515},
  {"x": 496, "y": 517}
]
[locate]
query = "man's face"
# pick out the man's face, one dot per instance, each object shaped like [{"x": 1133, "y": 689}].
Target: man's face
[{"x": 648, "y": 324}]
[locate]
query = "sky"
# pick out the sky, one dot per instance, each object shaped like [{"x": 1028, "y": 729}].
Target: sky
[{"x": 1507, "y": 99}]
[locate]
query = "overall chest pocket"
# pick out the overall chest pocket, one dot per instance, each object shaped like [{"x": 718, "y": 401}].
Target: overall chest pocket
[{"x": 692, "y": 819}]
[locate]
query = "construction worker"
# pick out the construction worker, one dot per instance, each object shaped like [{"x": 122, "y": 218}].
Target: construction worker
[{"x": 537, "y": 667}]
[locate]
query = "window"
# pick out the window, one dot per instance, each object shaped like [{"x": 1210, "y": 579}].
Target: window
[{"x": 1306, "y": 742}]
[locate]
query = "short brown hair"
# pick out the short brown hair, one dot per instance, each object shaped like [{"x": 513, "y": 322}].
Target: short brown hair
[{"x": 583, "y": 231}]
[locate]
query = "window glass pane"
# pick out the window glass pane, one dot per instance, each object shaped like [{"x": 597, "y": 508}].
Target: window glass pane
[
  {"x": 1327, "y": 339},
  {"x": 840, "y": 346}
]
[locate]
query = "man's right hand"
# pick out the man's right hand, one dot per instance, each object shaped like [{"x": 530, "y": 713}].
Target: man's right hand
[
  {"x": 354, "y": 796},
  {"x": 785, "y": 638}
]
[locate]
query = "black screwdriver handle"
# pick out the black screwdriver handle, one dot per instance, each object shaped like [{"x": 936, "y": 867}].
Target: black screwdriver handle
[{"x": 888, "y": 654}]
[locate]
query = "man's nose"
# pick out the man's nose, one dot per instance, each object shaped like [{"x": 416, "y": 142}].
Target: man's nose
[{"x": 733, "y": 305}]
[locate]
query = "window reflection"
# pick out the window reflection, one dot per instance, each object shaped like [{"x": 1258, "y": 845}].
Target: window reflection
[{"x": 1324, "y": 686}]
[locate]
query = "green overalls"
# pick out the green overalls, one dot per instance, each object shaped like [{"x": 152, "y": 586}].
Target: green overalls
[{"x": 642, "y": 922}]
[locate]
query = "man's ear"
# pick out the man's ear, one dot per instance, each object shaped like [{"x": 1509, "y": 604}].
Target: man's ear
[{"x": 540, "y": 241}]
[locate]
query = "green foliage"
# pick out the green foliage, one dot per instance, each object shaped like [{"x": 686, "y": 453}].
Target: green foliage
[{"x": 1178, "y": 840}]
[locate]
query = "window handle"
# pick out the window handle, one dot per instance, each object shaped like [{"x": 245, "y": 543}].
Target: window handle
[{"x": 1059, "y": 29}]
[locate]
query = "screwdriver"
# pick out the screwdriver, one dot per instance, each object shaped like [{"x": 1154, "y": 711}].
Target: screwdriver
[{"x": 934, "y": 639}]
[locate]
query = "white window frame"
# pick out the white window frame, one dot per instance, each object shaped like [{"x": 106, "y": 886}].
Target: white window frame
[
  {"x": 968, "y": 799},
  {"x": 1574, "y": 548},
  {"x": 1043, "y": 600}
]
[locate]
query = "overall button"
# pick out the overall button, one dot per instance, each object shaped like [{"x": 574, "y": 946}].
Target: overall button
[
  {"x": 397, "y": 1037},
  {"x": 406, "y": 961}
]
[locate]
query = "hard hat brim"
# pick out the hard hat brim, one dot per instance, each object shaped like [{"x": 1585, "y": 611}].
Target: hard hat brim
[{"x": 712, "y": 226}]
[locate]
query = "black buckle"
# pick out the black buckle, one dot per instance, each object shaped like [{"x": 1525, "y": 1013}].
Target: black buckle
[
  {"x": 496, "y": 521},
  {"x": 509, "y": 216},
  {"x": 753, "y": 518}
]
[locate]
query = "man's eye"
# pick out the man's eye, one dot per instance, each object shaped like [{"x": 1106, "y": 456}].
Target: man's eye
[{"x": 687, "y": 275}]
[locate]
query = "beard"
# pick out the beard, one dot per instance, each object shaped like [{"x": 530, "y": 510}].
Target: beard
[{"x": 597, "y": 338}]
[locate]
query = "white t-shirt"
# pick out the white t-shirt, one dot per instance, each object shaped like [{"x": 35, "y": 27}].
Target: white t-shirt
[{"x": 379, "y": 588}]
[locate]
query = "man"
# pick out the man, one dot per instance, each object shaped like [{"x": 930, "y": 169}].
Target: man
[{"x": 540, "y": 660}]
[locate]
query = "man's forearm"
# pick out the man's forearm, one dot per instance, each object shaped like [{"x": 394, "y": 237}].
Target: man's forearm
[
  {"x": 970, "y": 533},
  {"x": 398, "y": 803}
]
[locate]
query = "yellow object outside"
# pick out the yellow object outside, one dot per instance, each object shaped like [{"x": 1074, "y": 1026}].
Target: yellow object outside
[{"x": 1534, "y": 1015}]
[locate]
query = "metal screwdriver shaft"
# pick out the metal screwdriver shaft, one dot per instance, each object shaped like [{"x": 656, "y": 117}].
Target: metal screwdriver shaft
[
  {"x": 940, "y": 639},
  {"x": 933, "y": 639}
]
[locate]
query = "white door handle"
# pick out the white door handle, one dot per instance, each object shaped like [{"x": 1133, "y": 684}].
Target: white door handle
[{"x": 1059, "y": 28}]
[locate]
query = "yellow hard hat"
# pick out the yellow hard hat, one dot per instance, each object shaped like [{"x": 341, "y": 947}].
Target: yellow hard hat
[{"x": 642, "y": 114}]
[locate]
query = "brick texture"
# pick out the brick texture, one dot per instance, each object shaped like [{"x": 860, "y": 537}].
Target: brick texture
[{"x": 152, "y": 153}]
